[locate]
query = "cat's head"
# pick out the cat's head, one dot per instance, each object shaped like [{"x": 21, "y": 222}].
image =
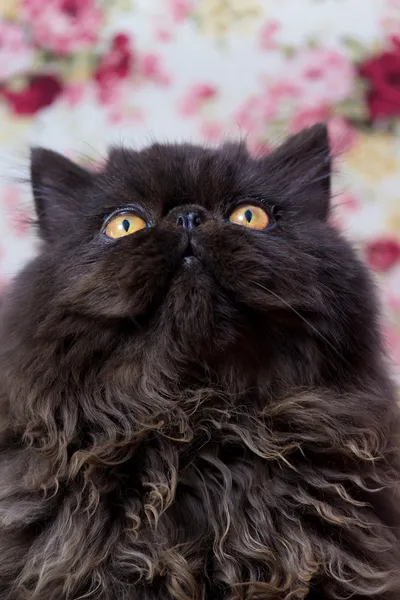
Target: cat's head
[{"x": 204, "y": 248}]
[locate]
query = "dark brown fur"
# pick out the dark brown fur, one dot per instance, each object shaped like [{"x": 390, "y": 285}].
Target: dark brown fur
[{"x": 216, "y": 429}]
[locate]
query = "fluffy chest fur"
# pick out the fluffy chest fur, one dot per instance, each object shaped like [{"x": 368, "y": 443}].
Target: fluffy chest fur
[{"x": 208, "y": 499}]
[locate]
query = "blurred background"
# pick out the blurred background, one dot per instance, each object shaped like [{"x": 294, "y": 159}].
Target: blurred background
[{"x": 77, "y": 75}]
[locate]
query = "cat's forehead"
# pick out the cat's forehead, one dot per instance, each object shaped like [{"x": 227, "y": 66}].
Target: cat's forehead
[{"x": 172, "y": 175}]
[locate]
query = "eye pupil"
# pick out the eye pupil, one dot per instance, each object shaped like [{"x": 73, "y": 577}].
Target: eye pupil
[
  {"x": 248, "y": 215},
  {"x": 126, "y": 224}
]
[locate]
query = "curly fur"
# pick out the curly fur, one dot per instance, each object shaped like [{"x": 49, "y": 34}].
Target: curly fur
[{"x": 223, "y": 429}]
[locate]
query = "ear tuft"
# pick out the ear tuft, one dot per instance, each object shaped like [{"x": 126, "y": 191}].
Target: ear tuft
[
  {"x": 304, "y": 164},
  {"x": 57, "y": 185}
]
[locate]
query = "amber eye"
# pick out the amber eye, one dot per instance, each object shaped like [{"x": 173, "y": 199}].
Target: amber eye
[
  {"x": 250, "y": 216},
  {"x": 124, "y": 224}
]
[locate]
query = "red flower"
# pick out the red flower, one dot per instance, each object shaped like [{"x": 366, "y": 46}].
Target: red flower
[
  {"x": 114, "y": 66},
  {"x": 383, "y": 73},
  {"x": 63, "y": 26},
  {"x": 40, "y": 92},
  {"x": 382, "y": 254}
]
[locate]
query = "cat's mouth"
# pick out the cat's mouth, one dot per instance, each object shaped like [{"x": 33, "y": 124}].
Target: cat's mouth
[
  {"x": 190, "y": 260},
  {"x": 190, "y": 255}
]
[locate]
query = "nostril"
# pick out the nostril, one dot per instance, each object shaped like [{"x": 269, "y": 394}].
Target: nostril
[
  {"x": 188, "y": 220},
  {"x": 180, "y": 221},
  {"x": 196, "y": 220}
]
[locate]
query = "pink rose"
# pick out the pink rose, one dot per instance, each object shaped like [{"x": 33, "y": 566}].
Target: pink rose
[
  {"x": 163, "y": 35},
  {"x": 283, "y": 90},
  {"x": 390, "y": 24},
  {"x": 196, "y": 97},
  {"x": 342, "y": 135},
  {"x": 267, "y": 35},
  {"x": 392, "y": 290},
  {"x": 382, "y": 254},
  {"x": 391, "y": 339},
  {"x": 344, "y": 207},
  {"x": 180, "y": 9},
  {"x": 256, "y": 112},
  {"x": 40, "y": 92},
  {"x": 150, "y": 67},
  {"x": 348, "y": 203},
  {"x": 17, "y": 214},
  {"x": 73, "y": 93},
  {"x": 257, "y": 148},
  {"x": 212, "y": 131},
  {"x": 321, "y": 76},
  {"x": 305, "y": 117},
  {"x": 16, "y": 55},
  {"x": 63, "y": 26},
  {"x": 246, "y": 116},
  {"x": 114, "y": 67}
]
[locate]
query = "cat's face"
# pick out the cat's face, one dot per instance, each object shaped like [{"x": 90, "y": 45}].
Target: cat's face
[{"x": 198, "y": 245}]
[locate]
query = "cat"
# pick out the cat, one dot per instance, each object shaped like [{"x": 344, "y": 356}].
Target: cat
[{"x": 195, "y": 401}]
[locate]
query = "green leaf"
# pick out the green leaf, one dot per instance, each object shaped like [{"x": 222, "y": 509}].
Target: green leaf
[
  {"x": 356, "y": 50},
  {"x": 287, "y": 51}
]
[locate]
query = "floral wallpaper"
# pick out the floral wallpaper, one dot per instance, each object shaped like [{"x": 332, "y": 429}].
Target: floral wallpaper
[{"x": 77, "y": 75}]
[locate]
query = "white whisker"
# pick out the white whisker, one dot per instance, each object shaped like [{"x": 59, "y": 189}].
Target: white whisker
[{"x": 306, "y": 321}]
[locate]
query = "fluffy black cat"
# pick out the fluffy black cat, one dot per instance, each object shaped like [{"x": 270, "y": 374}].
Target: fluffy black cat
[{"x": 194, "y": 398}]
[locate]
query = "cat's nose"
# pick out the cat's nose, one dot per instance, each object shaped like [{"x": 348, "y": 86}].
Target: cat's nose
[{"x": 188, "y": 219}]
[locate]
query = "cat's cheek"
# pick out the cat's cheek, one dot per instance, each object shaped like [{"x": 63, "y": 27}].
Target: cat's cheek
[{"x": 123, "y": 294}]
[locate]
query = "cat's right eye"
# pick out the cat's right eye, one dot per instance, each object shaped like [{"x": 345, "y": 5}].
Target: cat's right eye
[
  {"x": 252, "y": 217},
  {"x": 124, "y": 224}
]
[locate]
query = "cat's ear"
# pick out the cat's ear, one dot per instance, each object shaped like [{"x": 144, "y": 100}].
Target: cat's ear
[
  {"x": 58, "y": 185},
  {"x": 303, "y": 164}
]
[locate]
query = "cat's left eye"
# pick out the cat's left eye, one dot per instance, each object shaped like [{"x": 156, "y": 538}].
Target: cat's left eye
[
  {"x": 250, "y": 216},
  {"x": 124, "y": 224}
]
